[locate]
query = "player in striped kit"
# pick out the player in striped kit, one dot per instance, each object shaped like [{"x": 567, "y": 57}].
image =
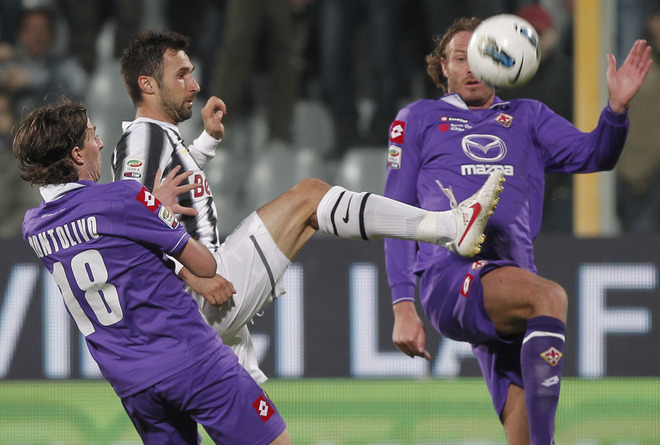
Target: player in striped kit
[
  {"x": 514, "y": 319},
  {"x": 104, "y": 244},
  {"x": 252, "y": 260}
]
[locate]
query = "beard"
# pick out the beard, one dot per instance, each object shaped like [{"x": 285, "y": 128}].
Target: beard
[{"x": 175, "y": 109}]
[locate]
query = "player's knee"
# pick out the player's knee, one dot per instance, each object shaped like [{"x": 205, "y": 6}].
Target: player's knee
[
  {"x": 309, "y": 191},
  {"x": 312, "y": 184},
  {"x": 553, "y": 301}
]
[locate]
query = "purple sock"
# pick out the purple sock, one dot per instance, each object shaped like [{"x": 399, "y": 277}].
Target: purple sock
[{"x": 540, "y": 360}]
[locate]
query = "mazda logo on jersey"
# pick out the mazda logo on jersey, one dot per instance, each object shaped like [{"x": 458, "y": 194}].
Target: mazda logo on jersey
[{"x": 484, "y": 147}]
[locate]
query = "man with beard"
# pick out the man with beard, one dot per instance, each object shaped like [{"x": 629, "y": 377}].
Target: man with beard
[{"x": 253, "y": 259}]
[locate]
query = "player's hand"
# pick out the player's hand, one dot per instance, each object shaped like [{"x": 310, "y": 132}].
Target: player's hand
[
  {"x": 167, "y": 190},
  {"x": 212, "y": 114},
  {"x": 216, "y": 290},
  {"x": 409, "y": 334},
  {"x": 624, "y": 83}
]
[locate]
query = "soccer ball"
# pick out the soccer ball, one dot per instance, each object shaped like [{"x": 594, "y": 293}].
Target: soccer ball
[{"x": 504, "y": 51}]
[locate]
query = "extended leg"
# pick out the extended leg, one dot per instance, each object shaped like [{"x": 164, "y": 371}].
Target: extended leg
[{"x": 296, "y": 215}]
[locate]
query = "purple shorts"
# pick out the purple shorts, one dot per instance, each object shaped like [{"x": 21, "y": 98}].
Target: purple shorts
[
  {"x": 218, "y": 394},
  {"x": 453, "y": 299}
]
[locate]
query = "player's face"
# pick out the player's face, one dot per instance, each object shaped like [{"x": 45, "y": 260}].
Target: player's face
[
  {"x": 178, "y": 88},
  {"x": 459, "y": 77},
  {"x": 91, "y": 154}
]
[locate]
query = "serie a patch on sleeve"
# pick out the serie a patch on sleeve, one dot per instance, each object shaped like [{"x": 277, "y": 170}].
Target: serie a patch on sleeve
[
  {"x": 168, "y": 217},
  {"x": 133, "y": 168},
  {"x": 394, "y": 157}
]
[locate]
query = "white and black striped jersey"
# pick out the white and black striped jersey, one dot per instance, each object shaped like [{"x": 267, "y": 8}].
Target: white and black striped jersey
[{"x": 148, "y": 145}]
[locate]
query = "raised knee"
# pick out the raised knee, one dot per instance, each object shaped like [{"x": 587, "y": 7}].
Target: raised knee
[
  {"x": 312, "y": 184},
  {"x": 553, "y": 301},
  {"x": 306, "y": 195}
]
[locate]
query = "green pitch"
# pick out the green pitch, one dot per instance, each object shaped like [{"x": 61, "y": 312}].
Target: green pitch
[{"x": 343, "y": 411}]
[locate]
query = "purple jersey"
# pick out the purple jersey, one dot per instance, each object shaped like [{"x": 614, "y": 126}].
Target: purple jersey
[
  {"x": 442, "y": 140},
  {"x": 104, "y": 246}
]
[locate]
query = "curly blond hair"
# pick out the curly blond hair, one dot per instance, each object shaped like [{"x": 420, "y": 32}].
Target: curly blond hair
[{"x": 433, "y": 60}]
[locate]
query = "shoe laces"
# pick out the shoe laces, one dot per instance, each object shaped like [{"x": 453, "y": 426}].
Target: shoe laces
[{"x": 449, "y": 193}]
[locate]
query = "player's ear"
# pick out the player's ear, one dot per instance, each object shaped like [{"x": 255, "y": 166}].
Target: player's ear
[
  {"x": 76, "y": 155},
  {"x": 147, "y": 84}
]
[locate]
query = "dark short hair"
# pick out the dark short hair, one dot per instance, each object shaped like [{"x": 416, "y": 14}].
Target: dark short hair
[
  {"x": 433, "y": 60},
  {"x": 44, "y": 140},
  {"x": 144, "y": 57}
]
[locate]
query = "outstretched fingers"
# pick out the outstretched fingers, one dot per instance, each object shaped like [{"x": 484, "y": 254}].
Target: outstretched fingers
[
  {"x": 638, "y": 63},
  {"x": 171, "y": 187},
  {"x": 624, "y": 83}
]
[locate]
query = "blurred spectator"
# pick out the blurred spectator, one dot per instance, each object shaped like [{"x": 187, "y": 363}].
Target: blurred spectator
[
  {"x": 86, "y": 20},
  {"x": 630, "y": 24},
  {"x": 340, "y": 22},
  {"x": 9, "y": 10},
  {"x": 7, "y": 121},
  {"x": 638, "y": 170},
  {"x": 32, "y": 71},
  {"x": 553, "y": 85},
  {"x": 280, "y": 26},
  {"x": 202, "y": 21},
  {"x": 17, "y": 195}
]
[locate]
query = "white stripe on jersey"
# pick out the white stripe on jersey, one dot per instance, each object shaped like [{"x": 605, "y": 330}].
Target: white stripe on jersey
[{"x": 148, "y": 145}]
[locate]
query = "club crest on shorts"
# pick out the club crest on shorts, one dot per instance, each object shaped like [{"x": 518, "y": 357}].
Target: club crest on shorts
[
  {"x": 552, "y": 356},
  {"x": 479, "y": 264},
  {"x": 263, "y": 407}
]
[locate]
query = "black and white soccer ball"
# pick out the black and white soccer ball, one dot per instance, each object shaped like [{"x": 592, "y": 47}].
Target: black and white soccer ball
[{"x": 504, "y": 51}]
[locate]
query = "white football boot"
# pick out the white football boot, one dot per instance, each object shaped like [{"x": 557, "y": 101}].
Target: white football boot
[{"x": 472, "y": 215}]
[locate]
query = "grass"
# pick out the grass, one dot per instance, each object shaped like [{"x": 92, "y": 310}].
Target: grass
[{"x": 345, "y": 411}]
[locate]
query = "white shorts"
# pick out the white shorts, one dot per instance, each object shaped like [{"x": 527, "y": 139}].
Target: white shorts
[{"x": 251, "y": 260}]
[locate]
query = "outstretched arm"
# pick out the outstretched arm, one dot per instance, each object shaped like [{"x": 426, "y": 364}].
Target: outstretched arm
[{"x": 624, "y": 83}]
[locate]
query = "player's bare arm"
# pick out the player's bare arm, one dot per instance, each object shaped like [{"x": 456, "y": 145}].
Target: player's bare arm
[
  {"x": 197, "y": 258},
  {"x": 409, "y": 334},
  {"x": 624, "y": 83},
  {"x": 212, "y": 115},
  {"x": 167, "y": 190},
  {"x": 217, "y": 290}
]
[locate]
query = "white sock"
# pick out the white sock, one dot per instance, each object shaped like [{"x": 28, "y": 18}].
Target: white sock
[{"x": 368, "y": 216}]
